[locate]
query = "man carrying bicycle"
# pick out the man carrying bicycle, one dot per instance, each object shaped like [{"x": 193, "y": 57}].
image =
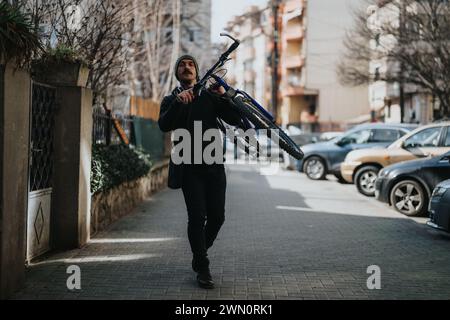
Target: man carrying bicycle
[{"x": 203, "y": 185}]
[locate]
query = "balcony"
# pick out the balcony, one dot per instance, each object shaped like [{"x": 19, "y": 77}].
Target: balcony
[
  {"x": 291, "y": 91},
  {"x": 293, "y": 9},
  {"x": 294, "y": 33},
  {"x": 295, "y": 61}
]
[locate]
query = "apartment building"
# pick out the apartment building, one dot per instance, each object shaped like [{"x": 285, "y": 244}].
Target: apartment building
[
  {"x": 312, "y": 36},
  {"x": 384, "y": 97},
  {"x": 249, "y": 68}
]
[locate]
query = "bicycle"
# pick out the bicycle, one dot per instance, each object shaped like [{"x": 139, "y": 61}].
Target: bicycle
[{"x": 253, "y": 115}]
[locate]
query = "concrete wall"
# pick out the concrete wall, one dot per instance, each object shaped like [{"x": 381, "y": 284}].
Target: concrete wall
[
  {"x": 71, "y": 186},
  {"x": 326, "y": 24},
  {"x": 111, "y": 205},
  {"x": 14, "y": 144}
]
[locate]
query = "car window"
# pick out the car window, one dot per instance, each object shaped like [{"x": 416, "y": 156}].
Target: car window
[
  {"x": 357, "y": 137},
  {"x": 447, "y": 138},
  {"x": 425, "y": 138},
  {"x": 384, "y": 135}
]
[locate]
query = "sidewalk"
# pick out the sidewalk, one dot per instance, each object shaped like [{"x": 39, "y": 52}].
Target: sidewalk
[{"x": 284, "y": 237}]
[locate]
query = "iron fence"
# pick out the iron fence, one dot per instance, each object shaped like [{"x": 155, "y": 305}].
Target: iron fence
[
  {"x": 140, "y": 132},
  {"x": 42, "y": 128},
  {"x": 104, "y": 131}
]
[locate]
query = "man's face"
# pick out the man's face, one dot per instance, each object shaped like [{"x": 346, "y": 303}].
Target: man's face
[{"x": 186, "y": 71}]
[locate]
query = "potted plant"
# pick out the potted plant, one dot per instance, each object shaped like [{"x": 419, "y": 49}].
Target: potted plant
[
  {"x": 18, "y": 40},
  {"x": 61, "y": 66}
]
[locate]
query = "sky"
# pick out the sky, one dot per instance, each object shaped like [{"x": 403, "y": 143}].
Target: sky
[{"x": 224, "y": 10}]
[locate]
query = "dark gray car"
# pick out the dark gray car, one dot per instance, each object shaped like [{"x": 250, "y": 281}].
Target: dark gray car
[
  {"x": 439, "y": 207},
  {"x": 326, "y": 157}
]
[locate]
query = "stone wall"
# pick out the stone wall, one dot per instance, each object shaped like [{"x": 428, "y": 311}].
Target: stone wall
[{"x": 111, "y": 205}]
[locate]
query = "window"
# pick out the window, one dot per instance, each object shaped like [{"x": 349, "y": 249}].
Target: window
[
  {"x": 447, "y": 138},
  {"x": 356, "y": 137},
  {"x": 425, "y": 138},
  {"x": 384, "y": 135},
  {"x": 377, "y": 74}
]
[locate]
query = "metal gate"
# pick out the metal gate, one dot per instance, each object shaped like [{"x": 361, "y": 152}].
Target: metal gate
[{"x": 43, "y": 101}]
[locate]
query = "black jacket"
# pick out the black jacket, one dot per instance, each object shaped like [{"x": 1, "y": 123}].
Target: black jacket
[{"x": 206, "y": 108}]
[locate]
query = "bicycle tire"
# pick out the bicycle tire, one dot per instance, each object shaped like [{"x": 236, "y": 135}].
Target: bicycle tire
[
  {"x": 243, "y": 145},
  {"x": 252, "y": 113}
]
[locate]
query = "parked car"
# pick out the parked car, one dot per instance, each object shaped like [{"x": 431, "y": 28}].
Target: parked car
[
  {"x": 326, "y": 157},
  {"x": 362, "y": 166},
  {"x": 408, "y": 185},
  {"x": 326, "y": 136},
  {"x": 300, "y": 140},
  {"x": 439, "y": 207}
]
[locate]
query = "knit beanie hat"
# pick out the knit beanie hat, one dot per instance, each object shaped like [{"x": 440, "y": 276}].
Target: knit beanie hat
[{"x": 187, "y": 57}]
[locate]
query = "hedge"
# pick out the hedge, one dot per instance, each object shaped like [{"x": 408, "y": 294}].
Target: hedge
[{"x": 115, "y": 164}]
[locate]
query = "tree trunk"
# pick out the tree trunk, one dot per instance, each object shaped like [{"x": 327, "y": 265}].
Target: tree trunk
[
  {"x": 402, "y": 102},
  {"x": 444, "y": 105}
]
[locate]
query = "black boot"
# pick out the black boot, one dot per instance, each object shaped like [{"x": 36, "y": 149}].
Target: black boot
[
  {"x": 195, "y": 265},
  {"x": 204, "y": 280},
  {"x": 200, "y": 263}
]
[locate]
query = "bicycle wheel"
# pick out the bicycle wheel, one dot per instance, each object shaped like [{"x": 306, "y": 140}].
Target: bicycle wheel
[
  {"x": 252, "y": 113},
  {"x": 250, "y": 147}
]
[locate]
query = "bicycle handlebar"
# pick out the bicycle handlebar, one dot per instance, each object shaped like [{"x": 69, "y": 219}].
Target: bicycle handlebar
[
  {"x": 220, "y": 62},
  {"x": 233, "y": 47}
]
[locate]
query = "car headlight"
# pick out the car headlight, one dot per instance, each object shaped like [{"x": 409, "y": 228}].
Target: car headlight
[
  {"x": 383, "y": 173},
  {"x": 439, "y": 192}
]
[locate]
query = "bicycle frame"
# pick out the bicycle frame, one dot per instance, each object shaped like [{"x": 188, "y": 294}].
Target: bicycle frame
[
  {"x": 227, "y": 87},
  {"x": 233, "y": 94}
]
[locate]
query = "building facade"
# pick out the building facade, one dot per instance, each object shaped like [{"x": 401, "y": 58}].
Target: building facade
[
  {"x": 249, "y": 68},
  {"x": 384, "y": 97},
  {"x": 312, "y": 41}
]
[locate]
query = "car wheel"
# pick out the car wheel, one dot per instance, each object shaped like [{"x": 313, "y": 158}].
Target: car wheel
[
  {"x": 408, "y": 197},
  {"x": 315, "y": 168},
  {"x": 365, "y": 180}
]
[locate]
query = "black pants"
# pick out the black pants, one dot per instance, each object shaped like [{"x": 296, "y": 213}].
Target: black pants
[{"x": 204, "y": 193}]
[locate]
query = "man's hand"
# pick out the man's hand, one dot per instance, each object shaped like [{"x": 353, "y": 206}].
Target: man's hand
[
  {"x": 217, "y": 89},
  {"x": 186, "y": 96}
]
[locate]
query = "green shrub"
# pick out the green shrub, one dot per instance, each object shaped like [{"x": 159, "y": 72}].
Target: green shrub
[
  {"x": 116, "y": 164},
  {"x": 61, "y": 53}
]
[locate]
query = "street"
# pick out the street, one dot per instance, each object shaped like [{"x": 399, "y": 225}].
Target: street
[{"x": 284, "y": 237}]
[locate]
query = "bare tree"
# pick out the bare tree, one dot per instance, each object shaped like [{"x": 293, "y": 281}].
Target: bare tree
[
  {"x": 163, "y": 30},
  {"x": 412, "y": 37},
  {"x": 130, "y": 42},
  {"x": 156, "y": 43},
  {"x": 92, "y": 28}
]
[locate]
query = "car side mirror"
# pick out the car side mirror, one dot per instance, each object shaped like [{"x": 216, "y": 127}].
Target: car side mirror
[
  {"x": 407, "y": 146},
  {"x": 342, "y": 142},
  {"x": 445, "y": 159}
]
